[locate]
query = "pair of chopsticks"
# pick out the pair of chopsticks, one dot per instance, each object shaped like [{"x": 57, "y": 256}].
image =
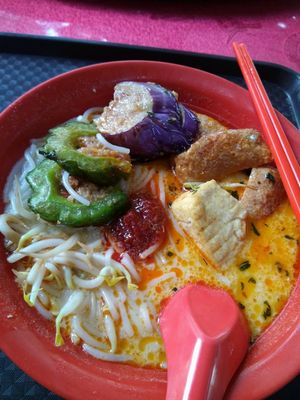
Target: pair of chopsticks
[{"x": 286, "y": 162}]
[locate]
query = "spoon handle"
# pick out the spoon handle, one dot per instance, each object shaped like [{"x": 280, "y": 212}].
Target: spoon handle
[{"x": 206, "y": 338}]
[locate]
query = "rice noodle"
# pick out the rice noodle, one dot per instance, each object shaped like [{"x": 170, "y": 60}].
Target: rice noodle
[
  {"x": 135, "y": 317},
  {"x": 110, "y": 302},
  {"x": 144, "y": 313},
  {"x": 111, "y": 332},
  {"x": 125, "y": 320},
  {"x": 17, "y": 204},
  {"x": 105, "y": 143},
  {"x": 82, "y": 334},
  {"x": 71, "y": 191},
  {"x": 101, "y": 355},
  {"x": 146, "y": 253},
  {"x": 164, "y": 277},
  {"x": 129, "y": 264},
  {"x": 161, "y": 185},
  {"x": 89, "y": 111}
]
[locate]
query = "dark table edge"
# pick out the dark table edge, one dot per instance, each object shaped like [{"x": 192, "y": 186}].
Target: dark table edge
[
  {"x": 278, "y": 74},
  {"x": 286, "y": 78}
]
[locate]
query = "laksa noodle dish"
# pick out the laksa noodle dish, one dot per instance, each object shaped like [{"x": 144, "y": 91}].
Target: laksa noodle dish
[{"x": 115, "y": 210}]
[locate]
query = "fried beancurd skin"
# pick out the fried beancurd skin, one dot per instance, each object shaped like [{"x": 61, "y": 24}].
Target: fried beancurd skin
[
  {"x": 219, "y": 154},
  {"x": 47, "y": 200},
  {"x": 264, "y": 193},
  {"x": 75, "y": 148}
]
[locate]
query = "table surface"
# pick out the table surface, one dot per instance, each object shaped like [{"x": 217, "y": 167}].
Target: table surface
[{"x": 270, "y": 28}]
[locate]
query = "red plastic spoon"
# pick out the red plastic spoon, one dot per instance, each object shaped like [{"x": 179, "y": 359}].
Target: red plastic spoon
[{"x": 206, "y": 338}]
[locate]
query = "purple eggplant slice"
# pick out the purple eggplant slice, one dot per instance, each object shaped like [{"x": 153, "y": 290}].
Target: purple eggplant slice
[{"x": 147, "y": 119}]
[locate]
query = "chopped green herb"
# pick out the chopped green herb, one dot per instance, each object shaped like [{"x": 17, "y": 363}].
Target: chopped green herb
[
  {"x": 170, "y": 254},
  {"x": 242, "y": 182},
  {"x": 279, "y": 266},
  {"x": 252, "y": 280},
  {"x": 266, "y": 225},
  {"x": 174, "y": 289},
  {"x": 255, "y": 229},
  {"x": 235, "y": 194},
  {"x": 242, "y": 307},
  {"x": 267, "y": 310},
  {"x": 193, "y": 186},
  {"x": 242, "y": 285},
  {"x": 289, "y": 237},
  {"x": 270, "y": 177},
  {"x": 245, "y": 265}
]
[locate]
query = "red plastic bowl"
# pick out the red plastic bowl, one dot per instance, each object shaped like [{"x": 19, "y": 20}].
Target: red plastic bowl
[{"x": 28, "y": 339}]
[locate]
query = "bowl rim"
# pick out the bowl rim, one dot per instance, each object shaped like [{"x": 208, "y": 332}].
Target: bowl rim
[{"x": 256, "y": 372}]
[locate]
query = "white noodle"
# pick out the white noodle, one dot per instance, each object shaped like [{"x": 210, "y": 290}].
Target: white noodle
[
  {"x": 146, "y": 253},
  {"x": 129, "y": 264},
  {"x": 88, "y": 339},
  {"x": 175, "y": 223},
  {"x": 93, "y": 307},
  {"x": 150, "y": 266},
  {"x": 105, "y": 143},
  {"x": 156, "y": 281},
  {"x": 134, "y": 315},
  {"x": 121, "y": 293},
  {"x": 160, "y": 258},
  {"x": 71, "y": 191},
  {"x": 111, "y": 332},
  {"x": 144, "y": 313},
  {"x": 110, "y": 302},
  {"x": 125, "y": 320},
  {"x": 89, "y": 111},
  {"x": 17, "y": 204},
  {"x": 108, "y": 255},
  {"x": 101, "y": 355},
  {"x": 161, "y": 184}
]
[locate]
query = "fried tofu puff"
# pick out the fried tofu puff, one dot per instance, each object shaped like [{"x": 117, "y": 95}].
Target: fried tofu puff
[
  {"x": 219, "y": 154},
  {"x": 264, "y": 193},
  {"x": 215, "y": 220}
]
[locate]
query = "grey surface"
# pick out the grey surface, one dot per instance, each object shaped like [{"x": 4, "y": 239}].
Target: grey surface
[{"x": 19, "y": 73}]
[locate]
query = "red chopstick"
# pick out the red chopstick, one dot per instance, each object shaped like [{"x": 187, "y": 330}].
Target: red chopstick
[{"x": 285, "y": 159}]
